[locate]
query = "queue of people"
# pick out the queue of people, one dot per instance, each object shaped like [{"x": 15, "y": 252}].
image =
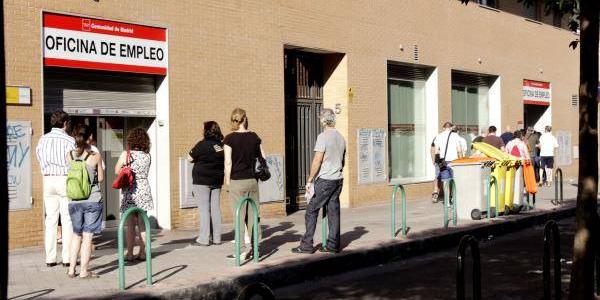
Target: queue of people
[
  {"x": 73, "y": 168},
  {"x": 526, "y": 144}
]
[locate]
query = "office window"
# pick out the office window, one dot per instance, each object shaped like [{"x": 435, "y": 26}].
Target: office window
[
  {"x": 470, "y": 111},
  {"x": 407, "y": 129}
]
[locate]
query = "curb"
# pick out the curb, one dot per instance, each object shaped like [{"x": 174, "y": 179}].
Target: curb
[{"x": 382, "y": 253}]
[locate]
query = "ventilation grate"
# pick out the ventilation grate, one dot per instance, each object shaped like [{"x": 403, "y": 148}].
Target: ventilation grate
[
  {"x": 416, "y": 53},
  {"x": 575, "y": 100}
]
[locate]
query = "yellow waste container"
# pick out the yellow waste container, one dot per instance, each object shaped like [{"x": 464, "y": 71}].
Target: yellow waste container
[{"x": 504, "y": 170}]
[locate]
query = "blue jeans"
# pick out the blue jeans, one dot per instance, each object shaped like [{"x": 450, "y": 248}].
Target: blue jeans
[
  {"x": 86, "y": 216},
  {"x": 327, "y": 194}
]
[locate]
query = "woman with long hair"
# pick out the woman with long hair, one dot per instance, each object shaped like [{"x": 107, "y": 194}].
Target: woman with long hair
[
  {"x": 242, "y": 148},
  {"x": 86, "y": 214},
  {"x": 207, "y": 178},
  {"x": 138, "y": 194}
]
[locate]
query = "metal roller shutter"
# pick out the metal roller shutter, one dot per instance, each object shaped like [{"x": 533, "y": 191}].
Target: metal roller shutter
[
  {"x": 409, "y": 72},
  {"x": 82, "y": 92}
]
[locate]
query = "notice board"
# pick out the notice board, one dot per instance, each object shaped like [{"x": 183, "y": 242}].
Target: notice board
[
  {"x": 18, "y": 162},
  {"x": 372, "y": 167},
  {"x": 564, "y": 151}
]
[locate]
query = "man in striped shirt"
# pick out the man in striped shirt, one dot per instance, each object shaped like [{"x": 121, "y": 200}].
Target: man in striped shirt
[{"x": 52, "y": 150}]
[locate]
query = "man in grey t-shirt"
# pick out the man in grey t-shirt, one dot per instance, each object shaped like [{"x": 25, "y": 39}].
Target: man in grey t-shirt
[{"x": 326, "y": 173}]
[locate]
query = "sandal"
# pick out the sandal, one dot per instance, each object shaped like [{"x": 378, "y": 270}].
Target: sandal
[
  {"x": 140, "y": 257},
  {"x": 90, "y": 275},
  {"x": 434, "y": 197},
  {"x": 71, "y": 275},
  {"x": 129, "y": 258}
]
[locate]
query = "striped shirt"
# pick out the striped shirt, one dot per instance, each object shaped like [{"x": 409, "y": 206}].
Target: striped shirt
[{"x": 52, "y": 150}]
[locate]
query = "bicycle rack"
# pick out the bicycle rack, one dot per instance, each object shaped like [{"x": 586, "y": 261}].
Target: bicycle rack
[
  {"x": 556, "y": 186},
  {"x": 255, "y": 228},
  {"x": 395, "y": 192},
  {"x": 492, "y": 181},
  {"x": 126, "y": 215},
  {"x": 324, "y": 228},
  {"x": 468, "y": 241},
  {"x": 450, "y": 185},
  {"x": 551, "y": 233}
]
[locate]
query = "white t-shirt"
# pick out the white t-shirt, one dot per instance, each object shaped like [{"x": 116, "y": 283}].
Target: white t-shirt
[
  {"x": 547, "y": 144},
  {"x": 454, "y": 144}
]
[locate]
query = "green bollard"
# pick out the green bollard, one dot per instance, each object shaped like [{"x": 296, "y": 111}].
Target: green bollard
[
  {"x": 255, "y": 229},
  {"x": 395, "y": 192},
  {"x": 324, "y": 228},
  {"x": 124, "y": 217},
  {"x": 492, "y": 181},
  {"x": 450, "y": 185},
  {"x": 558, "y": 184}
]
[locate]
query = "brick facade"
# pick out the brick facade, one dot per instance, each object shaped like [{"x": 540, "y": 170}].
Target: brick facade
[{"x": 229, "y": 53}]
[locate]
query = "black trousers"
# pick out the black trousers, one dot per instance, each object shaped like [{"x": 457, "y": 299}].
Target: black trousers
[{"x": 327, "y": 194}]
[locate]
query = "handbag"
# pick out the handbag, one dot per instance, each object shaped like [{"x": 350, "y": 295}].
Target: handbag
[
  {"x": 126, "y": 176},
  {"x": 261, "y": 169},
  {"x": 441, "y": 161}
]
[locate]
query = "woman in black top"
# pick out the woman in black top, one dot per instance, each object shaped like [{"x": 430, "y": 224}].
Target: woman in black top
[
  {"x": 242, "y": 147},
  {"x": 207, "y": 177}
]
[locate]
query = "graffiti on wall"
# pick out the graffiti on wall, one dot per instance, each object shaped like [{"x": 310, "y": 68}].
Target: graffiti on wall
[{"x": 18, "y": 163}]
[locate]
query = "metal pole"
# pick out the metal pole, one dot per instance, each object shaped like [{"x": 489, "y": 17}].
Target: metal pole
[
  {"x": 3, "y": 171},
  {"x": 445, "y": 204},
  {"x": 324, "y": 228},
  {"x": 468, "y": 241},
  {"x": 492, "y": 181},
  {"x": 393, "y": 223},
  {"x": 452, "y": 186},
  {"x": 120, "y": 241},
  {"x": 552, "y": 240},
  {"x": 255, "y": 229}
]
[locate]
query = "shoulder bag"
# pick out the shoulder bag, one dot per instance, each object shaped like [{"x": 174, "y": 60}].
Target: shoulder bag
[{"x": 126, "y": 176}]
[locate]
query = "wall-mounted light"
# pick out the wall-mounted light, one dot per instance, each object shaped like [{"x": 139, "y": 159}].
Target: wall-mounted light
[
  {"x": 401, "y": 47},
  {"x": 541, "y": 71},
  {"x": 479, "y": 60}
]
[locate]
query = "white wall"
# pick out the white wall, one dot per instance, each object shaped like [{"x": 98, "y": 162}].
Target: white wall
[
  {"x": 159, "y": 133},
  {"x": 495, "y": 105},
  {"x": 431, "y": 100}
]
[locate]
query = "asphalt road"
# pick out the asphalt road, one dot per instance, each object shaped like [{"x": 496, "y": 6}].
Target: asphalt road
[{"x": 511, "y": 268}]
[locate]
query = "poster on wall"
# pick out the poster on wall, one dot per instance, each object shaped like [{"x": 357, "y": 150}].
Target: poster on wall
[
  {"x": 563, "y": 152},
  {"x": 96, "y": 44},
  {"x": 274, "y": 188},
  {"x": 372, "y": 167},
  {"x": 18, "y": 162}
]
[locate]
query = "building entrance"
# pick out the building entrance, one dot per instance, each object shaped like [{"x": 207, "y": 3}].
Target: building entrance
[
  {"x": 111, "y": 104},
  {"x": 536, "y": 116},
  {"x": 303, "y": 104}
]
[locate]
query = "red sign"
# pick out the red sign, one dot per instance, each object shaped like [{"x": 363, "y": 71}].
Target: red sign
[
  {"x": 88, "y": 43},
  {"x": 536, "y": 92}
]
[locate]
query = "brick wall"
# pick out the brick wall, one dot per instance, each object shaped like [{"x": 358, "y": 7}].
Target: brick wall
[{"x": 229, "y": 53}]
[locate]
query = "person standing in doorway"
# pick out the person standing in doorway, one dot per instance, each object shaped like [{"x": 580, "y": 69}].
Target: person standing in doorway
[
  {"x": 242, "y": 148},
  {"x": 547, "y": 145},
  {"x": 326, "y": 174},
  {"x": 138, "y": 194},
  {"x": 51, "y": 151},
  {"x": 493, "y": 139},
  {"x": 86, "y": 214},
  {"x": 207, "y": 178}
]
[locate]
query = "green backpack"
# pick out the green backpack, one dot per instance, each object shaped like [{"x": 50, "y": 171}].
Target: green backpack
[{"x": 79, "y": 186}]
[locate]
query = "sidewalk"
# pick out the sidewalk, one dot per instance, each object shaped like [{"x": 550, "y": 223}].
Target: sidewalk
[{"x": 179, "y": 267}]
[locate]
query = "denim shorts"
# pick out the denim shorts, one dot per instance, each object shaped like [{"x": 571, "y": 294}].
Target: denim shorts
[
  {"x": 445, "y": 174},
  {"x": 86, "y": 216}
]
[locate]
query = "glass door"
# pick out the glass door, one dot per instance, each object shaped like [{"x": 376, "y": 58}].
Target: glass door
[{"x": 110, "y": 142}]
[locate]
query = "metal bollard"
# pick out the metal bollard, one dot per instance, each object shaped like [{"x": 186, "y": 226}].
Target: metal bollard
[
  {"x": 255, "y": 228},
  {"x": 492, "y": 181},
  {"x": 395, "y": 192},
  {"x": 468, "y": 241},
  {"x": 551, "y": 234},
  {"x": 450, "y": 185},
  {"x": 558, "y": 182},
  {"x": 124, "y": 217},
  {"x": 324, "y": 228}
]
